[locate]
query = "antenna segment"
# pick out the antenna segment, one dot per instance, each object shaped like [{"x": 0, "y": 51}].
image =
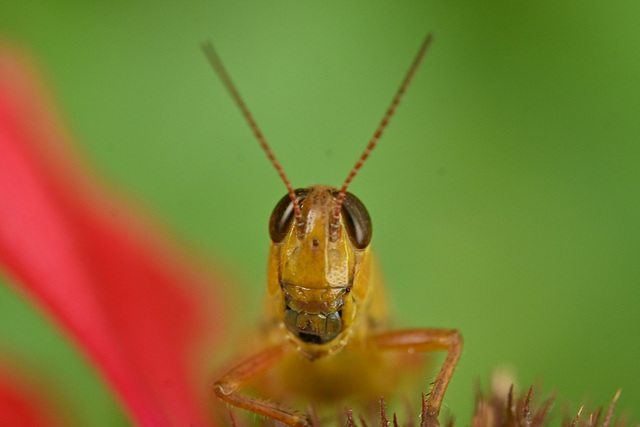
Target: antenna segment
[
  {"x": 335, "y": 223},
  {"x": 216, "y": 63}
]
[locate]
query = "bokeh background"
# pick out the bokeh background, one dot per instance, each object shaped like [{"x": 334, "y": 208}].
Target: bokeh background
[{"x": 505, "y": 194}]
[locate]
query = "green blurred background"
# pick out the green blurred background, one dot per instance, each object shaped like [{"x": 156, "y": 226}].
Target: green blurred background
[{"x": 505, "y": 193}]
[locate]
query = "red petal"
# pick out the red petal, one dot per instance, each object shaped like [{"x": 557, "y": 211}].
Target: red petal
[{"x": 140, "y": 313}]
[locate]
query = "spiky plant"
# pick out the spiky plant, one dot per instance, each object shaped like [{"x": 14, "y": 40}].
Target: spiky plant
[{"x": 493, "y": 410}]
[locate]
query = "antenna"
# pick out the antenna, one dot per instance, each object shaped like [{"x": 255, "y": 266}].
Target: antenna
[
  {"x": 335, "y": 223},
  {"x": 216, "y": 63}
]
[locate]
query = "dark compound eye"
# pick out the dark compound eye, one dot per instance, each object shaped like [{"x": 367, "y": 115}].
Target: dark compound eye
[
  {"x": 357, "y": 221},
  {"x": 282, "y": 216}
]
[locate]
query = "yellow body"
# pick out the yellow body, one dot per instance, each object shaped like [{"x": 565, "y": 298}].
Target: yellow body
[{"x": 319, "y": 269}]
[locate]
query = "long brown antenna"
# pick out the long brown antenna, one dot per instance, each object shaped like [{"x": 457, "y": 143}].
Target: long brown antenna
[
  {"x": 216, "y": 63},
  {"x": 335, "y": 223}
]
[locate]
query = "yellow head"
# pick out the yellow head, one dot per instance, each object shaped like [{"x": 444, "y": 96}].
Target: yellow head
[{"x": 318, "y": 273}]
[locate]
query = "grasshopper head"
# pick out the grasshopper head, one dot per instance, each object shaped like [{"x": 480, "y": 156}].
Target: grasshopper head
[{"x": 318, "y": 268}]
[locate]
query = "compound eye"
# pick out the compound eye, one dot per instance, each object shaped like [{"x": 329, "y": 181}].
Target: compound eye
[
  {"x": 357, "y": 221},
  {"x": 282, "y": 216}
]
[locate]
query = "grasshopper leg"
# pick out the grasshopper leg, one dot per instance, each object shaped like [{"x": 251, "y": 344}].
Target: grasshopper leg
[
  {"x": 426, "y": 340},
  {"x": 228, "y": 387}
]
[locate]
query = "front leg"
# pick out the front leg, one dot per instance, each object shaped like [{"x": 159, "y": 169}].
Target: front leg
[
  {"x": 425, "y": 340},
  {"x": 227, "y": 388}
]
